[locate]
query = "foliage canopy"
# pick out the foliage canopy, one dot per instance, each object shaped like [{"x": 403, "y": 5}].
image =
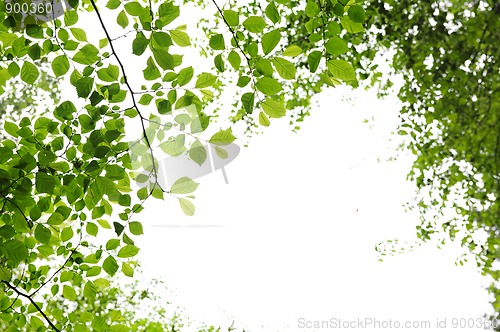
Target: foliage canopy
[{"x": 67, "y": 171}]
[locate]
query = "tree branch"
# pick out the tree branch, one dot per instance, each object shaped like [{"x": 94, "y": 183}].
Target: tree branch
[
  {"x": 19, "y": 293},
  {"x": 232, "y": 32},
  {"x": 129, "y": 87}
]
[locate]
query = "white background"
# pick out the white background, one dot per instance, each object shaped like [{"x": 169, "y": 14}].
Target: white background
[{"x": 293, "y": 234}]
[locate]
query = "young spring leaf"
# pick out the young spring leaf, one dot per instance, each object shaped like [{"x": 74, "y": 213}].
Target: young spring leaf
[
  {"x": 285, "y": 68},
  {"x": 187, "y": 206},
  {"x": 254, "y": 24},
  {"x": 270, "y": 40},
  {"x": 223, "y": 137},
  {"x": 184, "y": 186},
  {"x": 60, "y": 65},
  {"x": 341, "y": 69},
  {"x": 268, "y": 86}
]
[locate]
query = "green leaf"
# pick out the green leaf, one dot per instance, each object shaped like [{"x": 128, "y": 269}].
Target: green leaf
[
  {"x": 222, "y": 153},
  {"x": 356, "y": 13},
  {"x": 312, "y": 9},
  {"x": 60, "y": 65},
  {"x": 205, "y": 80},
  {"x": 313, "y": 60},
  {"x": 268, "y": 86},
  {"x": 92, "y": 229},
  {"x": 140, "y": 44},
  {"x": 109, "y": 74},
  {"x": 222, "y": 137},
  {"x": 42, "y": 234},
  {"x": 264, "y": 120},
  {"x": 15, "y": 251},
  {"x": 7, "y": 231},
  {"x": 104, "y": 223},
  {"x": 122, "y": 19},
  {"x": 55, "y": 219},
  {"x": 5, "y": 273},
  {"x": 66, "y": 234},
  {"x": 175, "y": 146},
  {"x": 254, "y": 24},
  {"x": 183, "y": 119},
  {"x": 234, "y": 59},
  {"x": 110, "y": 265},
  {"x": 34, "y": 52},
  {"x": 334, "y": 28},
  {"x": 184, "y": 186},
  {"x": 69, "y": 293},
  {"x": 336, "y": 46},
  {"x": 243, "y": 81},
  {"x": 13, "y": 69},
  {"x": 11, "y": 128},
  {"x": 217, "y": 42},
  {"x": 248, "y": 99},
  {"x": 45, "y": 183},
  {"x": 338, "y": 9},
  {"x": 29, "y": 72},
  {"x": 121, "y": 328},
  {"x": 87, "y": 55},
  {"x": 127, "y": 270},
  {"x": 350, "y": 26},
  {"x": 185, "y": 75},
  {"x": 66, "y": 275},
  {"x": 93, "y": 271},
  {"x": 84, "y": 86},
  {"x": 164, "y": 107},
  {"x": 341, "y": 69},
  {"x": 101, "y": 283},
  {"x": 168, "y": 12},
  {"x": 292, "y": 51},
  {"x": 273, "y": 108},
  {"x": 151, "y": 72},
  {"x": 89, "y": 290},
  {"x": 232, "y": 17},
  {"x": 135, "y": 228},
  {"x": 145, "y": 99},
  {"x": 180, "y": 38},
  {"x": 112, "y": 244},
  {"x": 197, "y": 153},
  {"x": 79, "y": 34},
  {"x": 113, "y": 4},
  {"x": 272, "y": 13},
  {"x": 187, "y": 206},
  {"x": 285, "y": 68},
  {"x": 264, "y": 67},
  {"x": 162, "y": 39},
  {"x": 70, "y": 17},
  {"x": 164, "y": 59},
  {"x": 128, "y": 251},
  {"x": 270, "y": 40},
  {"x": 134, "y": 8},
  {"x": 157, "y": 193},
  {"x": 219, "y": 63}
]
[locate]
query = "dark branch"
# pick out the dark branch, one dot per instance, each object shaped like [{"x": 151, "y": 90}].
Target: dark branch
[
  {"x": 129, "y": 87},
  {"x": 232, "y": 32},
  {"x": 19, "y": 293}
]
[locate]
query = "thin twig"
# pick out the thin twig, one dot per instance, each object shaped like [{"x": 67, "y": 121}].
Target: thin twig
[
  {"x": 18, "y": 292},
  {"x": 129, "y": 87}
]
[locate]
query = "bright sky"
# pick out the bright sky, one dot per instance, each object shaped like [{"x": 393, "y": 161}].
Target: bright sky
[{"x": 291, "y": 238}]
